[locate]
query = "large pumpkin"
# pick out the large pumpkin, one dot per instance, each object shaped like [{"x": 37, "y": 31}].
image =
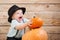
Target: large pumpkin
[
  {"x": 36, "y": 23},
  {"x": 35, "y": 34}
]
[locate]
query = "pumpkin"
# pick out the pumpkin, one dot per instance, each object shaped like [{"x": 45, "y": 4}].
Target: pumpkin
[
  {"x": 36, "y": 23},
  {"x": 35, "y": 34}
]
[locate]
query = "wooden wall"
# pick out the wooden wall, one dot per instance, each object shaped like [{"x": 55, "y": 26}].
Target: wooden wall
[{"x": 48, "y": 10}]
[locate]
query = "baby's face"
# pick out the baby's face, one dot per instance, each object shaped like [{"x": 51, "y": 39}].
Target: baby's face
[{"x": 18, "y": 15}]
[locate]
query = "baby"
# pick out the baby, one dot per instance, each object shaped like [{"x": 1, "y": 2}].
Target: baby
[{"x": 18, "y": 22}]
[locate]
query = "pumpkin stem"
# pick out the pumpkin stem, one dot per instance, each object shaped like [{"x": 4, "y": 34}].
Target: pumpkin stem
[{"x": 34, "y": 16}]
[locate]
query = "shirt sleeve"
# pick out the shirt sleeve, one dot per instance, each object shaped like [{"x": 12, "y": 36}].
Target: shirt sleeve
[
  {"x": 15, "y": 23},
  {"x": 26, "y": 20}
]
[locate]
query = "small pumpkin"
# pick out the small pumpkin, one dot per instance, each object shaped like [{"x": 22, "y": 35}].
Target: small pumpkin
[
  {"x": 35, "y": 34},
  {"x": 36, "y": 23}
]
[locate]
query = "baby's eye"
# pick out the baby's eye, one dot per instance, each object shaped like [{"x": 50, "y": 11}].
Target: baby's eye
[{"x": 17, "y": 13}]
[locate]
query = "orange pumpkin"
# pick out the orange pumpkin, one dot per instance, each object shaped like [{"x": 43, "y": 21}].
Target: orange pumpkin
[
  {"x": 35, "y": 34},
  {"x": 36, "y": 23}
]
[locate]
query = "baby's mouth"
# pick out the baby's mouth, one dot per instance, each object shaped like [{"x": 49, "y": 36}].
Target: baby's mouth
[{"x": 20, "y": 17}]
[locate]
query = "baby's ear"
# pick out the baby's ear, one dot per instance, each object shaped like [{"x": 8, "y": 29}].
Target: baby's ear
[{"x": 13, "y": 17}]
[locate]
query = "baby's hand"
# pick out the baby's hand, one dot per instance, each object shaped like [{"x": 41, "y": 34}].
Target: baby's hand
[{"x": 29, "y": 23}]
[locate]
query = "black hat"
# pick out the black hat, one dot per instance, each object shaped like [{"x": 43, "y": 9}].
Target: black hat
[{"x": 13, "y": 9}]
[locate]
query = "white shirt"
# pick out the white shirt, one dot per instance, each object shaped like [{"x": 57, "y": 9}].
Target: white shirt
[{"x": 12, "y": 30}]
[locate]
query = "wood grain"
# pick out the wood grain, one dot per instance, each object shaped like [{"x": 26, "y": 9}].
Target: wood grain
[
  {"x": 47, "y": 10},
  {"x": 30, "y": 1},
  {"x": 32, "y": 7},
  {"x": 49, "y": 18},
  {"x": 3, "y": 36},
  {"x": 50, "y": 36},
  {"x": 49, "y": 29}
]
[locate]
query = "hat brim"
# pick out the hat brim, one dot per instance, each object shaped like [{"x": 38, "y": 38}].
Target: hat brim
[{"x": 9, "y": 19}]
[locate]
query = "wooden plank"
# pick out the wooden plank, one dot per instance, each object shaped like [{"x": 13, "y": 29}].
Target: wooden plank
[
  {"x": 51, "y": 21},
  {"x": 53, "y": 36},
  {"x": 50, "y": 36},
  {"x": 46, "y": 22},
  {"x": 32, "y": 7},
  {"x": 49, "y": 18},
  {"x": 49, "y": 29},
  {"x": 52, "y": 29},
  {"x": 41, "y": 14},
  {"x": 3, "y": 36},
  {"x": 4, "y": 21},
  {"x": 30, "y": 1},
  {"x": 4, "y": 29},
  {"x": 3, "y": 14}
]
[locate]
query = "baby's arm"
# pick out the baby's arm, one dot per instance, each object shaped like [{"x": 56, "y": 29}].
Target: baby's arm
[{"x": 20, "y": 27}]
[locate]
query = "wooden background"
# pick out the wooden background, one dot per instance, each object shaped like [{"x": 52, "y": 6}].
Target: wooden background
[{"x": 48, "y": 10}]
